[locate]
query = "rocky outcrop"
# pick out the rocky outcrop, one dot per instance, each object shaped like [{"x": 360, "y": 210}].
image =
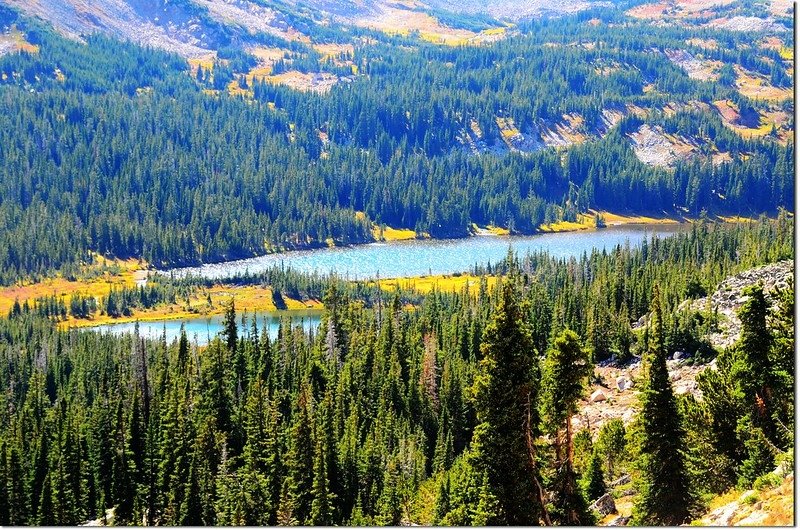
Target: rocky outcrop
[
  {"x": 773, "y": 506},
  {"x": 604, "y": 505},
  {"x": 728, "y": 298}
]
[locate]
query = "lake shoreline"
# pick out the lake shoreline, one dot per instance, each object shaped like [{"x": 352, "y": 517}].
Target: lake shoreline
[
  {"x": 227, "y": 270},
  {"x": 585, "y": 223}
]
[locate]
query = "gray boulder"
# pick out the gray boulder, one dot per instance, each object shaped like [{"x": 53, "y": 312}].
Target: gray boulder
[{"x": 604, "y": 505}]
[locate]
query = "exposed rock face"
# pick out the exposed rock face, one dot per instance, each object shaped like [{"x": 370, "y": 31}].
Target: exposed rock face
[
  {"x": 654, "y": 147},
  {"x": 604, "y": 505},
  {"x": 597, "y": 395},
  {"x": 728, "y": 298}
]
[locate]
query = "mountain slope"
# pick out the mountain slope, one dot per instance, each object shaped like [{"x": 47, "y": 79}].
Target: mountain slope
[{"x": 196, "y": 28}]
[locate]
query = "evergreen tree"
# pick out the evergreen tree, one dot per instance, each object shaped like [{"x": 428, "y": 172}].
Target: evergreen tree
[
  {"x": 611, "y": 444},
  {"x": 442, "y": 503},
  {"x": 229, "y": 329},
  {"x": 506, "y": 391},
  {"x": 300, "y": 463},
  {"x": 594, "y": 485},
  {"x": 46, "y": 515},
  {"x": 564, "y": 375},
  {"x": 664, "y": 494}
]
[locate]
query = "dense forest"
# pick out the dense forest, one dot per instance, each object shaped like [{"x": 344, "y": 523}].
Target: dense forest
[
  {"x": 116, "y": 149},
  {"x": 456, "y": 410}
]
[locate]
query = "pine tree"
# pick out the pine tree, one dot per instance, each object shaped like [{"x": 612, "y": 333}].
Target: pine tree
[
  {"x": 611, "y": 443},
  {"x": 4, "y": 482},
  {"x": 442, "y": 503},
  {"x": 594, "y": 485},
  {"x": 191, "y": 510},
  {"x": 229, "y": 329},
  {"x": 46, "y": 514},
  {"x": 301, "y": 462},
  {"x": 18, "y": 507},
  {"x": 487, "y": 507},
  {"x": 505, "y": 391},
  {"x": 664, "y": 494},
  {"x": 564, "y": 374},
  {"x": 183, "y": 350},
  {"x": 322, "y": 504}
]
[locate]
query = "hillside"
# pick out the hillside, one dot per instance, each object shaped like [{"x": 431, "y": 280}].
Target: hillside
[
  {"x": 196, "y": 28},
  {"x": 771, "y": 505},
  {"x": 362, "y": 115}
]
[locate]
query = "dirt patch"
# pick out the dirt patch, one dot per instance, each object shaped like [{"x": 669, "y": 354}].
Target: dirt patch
[
  {"x": 609, "y": 118},
  {"x": 774, "y": 506},
  {"x": 516, "y": 140},
  {"x": 394, "y": 20},
  {"x": 756, "y": 125},
  {"x": 672, "y": 108},
  {"x": 675, "y": 9},
  {"x": 335, "y": 51},
  {"x": 756, "y": 86},
  {"x": 706, "y": 44},
  {"x": 620, "y": 387},
  {"x": 570, "y": 130},
  {"x": 649, "y": 11},
  {"x": 721, "y": 158},
  {"x": 266, "y": 55},
  {"x": 14, "y": 41},
  {"x": 781, "y": 8}
]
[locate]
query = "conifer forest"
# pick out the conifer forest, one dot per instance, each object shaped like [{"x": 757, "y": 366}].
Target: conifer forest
[{"x": 204, "y": 205}]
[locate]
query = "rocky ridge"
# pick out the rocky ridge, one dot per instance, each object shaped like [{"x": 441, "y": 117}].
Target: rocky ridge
[{"x": 728, "y": 298}]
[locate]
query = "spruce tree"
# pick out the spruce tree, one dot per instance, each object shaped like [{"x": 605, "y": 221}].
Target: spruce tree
[
  {"x": 664, "y": 494},
  {"x": 442, "y": 503},
  {"x": 611, "y": 444},
  {"x": 229, "y": 329},
  {"x": 18, "y": 507},
  {"x": 505, "y": 391},
  {"x": 564, "y": 374},
  {"x": 301, "y": 462},
  {"x": 4, "y": 482},
  {"x": 46, "y": 515},
  {"x": 593, "y": 482}
]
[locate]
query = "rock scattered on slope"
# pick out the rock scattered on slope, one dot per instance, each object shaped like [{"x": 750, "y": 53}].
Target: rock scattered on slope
[{"x": 728, "y": 298}]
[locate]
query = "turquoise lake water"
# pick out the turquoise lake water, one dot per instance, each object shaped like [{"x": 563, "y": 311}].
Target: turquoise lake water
[{"x": 202, "y": 329}]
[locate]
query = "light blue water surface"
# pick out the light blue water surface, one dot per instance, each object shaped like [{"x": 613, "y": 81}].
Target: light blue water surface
[
  {"x": 204, "y": 328},
  {"x": 420, "y": 257},
  {"x": 391, "y": 260}
]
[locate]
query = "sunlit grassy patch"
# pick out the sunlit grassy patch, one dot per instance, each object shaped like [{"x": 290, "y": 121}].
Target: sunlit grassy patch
[
  {"x": 95, "y": 280},
  {"x": 620, "y": 219},
  {"x": 388, "y": 233},
  {"x": 563, "y": 226},
  {"x": 426, "y": 284},
  {"x": 247, "y": 298}
]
